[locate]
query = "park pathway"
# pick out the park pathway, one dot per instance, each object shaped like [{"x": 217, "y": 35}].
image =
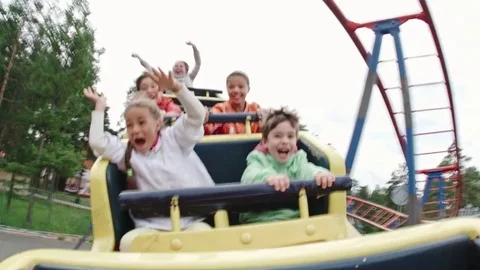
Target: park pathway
[{"x": 12, "y": 243}]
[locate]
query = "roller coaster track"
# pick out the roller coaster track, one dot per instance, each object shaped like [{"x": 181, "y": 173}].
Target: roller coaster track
[
  {"x": 445, "y": 181},
  {"x": 373, "y": 214}
]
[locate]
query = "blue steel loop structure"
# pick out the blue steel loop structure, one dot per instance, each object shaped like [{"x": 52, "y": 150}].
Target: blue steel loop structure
[{"x": 445, "y": 181}]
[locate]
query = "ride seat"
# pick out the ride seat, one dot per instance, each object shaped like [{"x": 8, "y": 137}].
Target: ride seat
[{"x": 225, "y": 161}]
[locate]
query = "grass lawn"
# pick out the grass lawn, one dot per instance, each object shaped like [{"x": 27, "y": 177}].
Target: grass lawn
[
  {"x": 46, "y": 216},
  {"x": 71, "y": 198}
]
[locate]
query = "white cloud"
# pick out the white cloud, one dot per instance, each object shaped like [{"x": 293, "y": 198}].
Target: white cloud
[{"x": 297, "y": 54}]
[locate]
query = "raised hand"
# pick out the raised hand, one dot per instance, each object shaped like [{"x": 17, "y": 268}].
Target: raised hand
[
  {"x": 164, "y": 81},
  {"x": 189, "y": 43},
  {"x": 99, "y": 100},
  {"x": 142, "y": 62}
]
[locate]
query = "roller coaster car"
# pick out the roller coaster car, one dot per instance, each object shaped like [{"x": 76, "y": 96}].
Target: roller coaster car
[
  {"x": 321, "y": 238},
  {"x": 225, "y": 159},
  {"x": 208, "y": 97}
]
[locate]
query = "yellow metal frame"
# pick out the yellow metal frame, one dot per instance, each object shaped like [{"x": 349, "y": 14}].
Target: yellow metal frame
[
  {"x": 247, "y": 237},
  {"x": 103, "y": 232},
  {"x": 256, "y": 236},
  {"x": 337, "y": 200},
  {"x": 243, "y": 259},
  {"x": 172, "y": 96}
]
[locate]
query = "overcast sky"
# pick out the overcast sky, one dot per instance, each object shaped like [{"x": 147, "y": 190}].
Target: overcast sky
[{"x": 297, "y": 54}]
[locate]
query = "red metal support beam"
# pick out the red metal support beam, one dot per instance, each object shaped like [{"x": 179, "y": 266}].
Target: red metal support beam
[
  {"x": 350, "y": 28},
  {"x": 401, "y": 19},
  {"x": 424, "y": 15},
  {"x": 428, "y": 19},
  {"x": 443, "y": 169}
]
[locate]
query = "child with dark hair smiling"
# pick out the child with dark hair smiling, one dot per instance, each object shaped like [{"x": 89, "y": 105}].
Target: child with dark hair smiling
[
  {"x": 279, "y": 161},
  {"x": 147, "y": 86}
]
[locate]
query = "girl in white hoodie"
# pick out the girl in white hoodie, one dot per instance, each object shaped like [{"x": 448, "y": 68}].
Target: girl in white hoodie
[{"x": 160, "y": 158}]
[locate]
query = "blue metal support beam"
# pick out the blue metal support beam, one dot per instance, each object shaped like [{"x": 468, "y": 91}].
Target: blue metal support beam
[
  {"x": 435, "y": 179},
  {"x": 365, "y": 102},
  {"x": 391, "y": 27}
]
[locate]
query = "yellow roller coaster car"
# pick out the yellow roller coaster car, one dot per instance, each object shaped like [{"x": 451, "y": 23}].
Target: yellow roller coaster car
[{"x": 321, "y": 238}]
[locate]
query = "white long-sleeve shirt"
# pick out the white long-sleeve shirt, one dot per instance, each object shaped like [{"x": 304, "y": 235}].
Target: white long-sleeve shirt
[{"x": 171, "y": 164}]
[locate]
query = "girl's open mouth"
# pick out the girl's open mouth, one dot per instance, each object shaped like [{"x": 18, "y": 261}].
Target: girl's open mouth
[{"x": 139, "y": 141}]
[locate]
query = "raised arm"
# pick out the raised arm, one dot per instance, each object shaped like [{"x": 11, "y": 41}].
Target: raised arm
[
  {"x": 142, "y": 62},
  {"x": 188, "y": 129},
  {"x": 198, "y": 61},
  {"x": 101, "y": 142}
]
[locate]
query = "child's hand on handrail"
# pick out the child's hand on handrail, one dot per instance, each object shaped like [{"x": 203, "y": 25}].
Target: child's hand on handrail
[
  {"x": 279, "y": 181},
  {"x": 324, "y": 179}
]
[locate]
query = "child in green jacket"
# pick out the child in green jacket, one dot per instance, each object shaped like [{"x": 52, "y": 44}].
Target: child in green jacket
[{"x": 278, "y": 162}]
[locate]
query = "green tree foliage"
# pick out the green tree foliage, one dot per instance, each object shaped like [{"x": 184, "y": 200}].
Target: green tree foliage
[
  {"x": 397, "y": 178},
  {"x": 44, "y": 119},
  {"x": 382, "y": 195},
  {"x": 47, "y": 56},
  {"x": 470, "y": 179}
]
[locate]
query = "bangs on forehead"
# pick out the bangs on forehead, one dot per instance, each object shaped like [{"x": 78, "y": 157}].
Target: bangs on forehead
[
  {"x": 275, "y": 117},
  {"x": 145, "y": 103},
  {"x": 139, "y": 80},
  {"x": 291, "y": 127}
]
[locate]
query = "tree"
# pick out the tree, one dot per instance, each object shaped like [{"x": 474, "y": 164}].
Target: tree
[
  {"x": 364, "y": 193},
  {"x": 469, "y": 174},
  {"x": 43, "y": 111},
  {"x": 471, "y": 187},
  {"x": 56, "y": 60},
  {"x": 130, "y": 93},
  {"x": 397, "y": 178},
  {"x": 355, "y": 188},
  {"x": 10, "y": 35},
  {"x": 380, "y": 196},
  {"x": 470, "y": 180}
]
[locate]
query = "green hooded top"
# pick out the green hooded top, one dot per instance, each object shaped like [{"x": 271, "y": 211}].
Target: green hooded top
[{"x": 261, "y": 165}]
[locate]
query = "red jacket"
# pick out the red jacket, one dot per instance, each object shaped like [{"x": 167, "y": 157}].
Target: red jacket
[{"x": 169, "y": 106}]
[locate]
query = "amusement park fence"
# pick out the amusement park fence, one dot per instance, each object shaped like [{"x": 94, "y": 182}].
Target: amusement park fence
[
  {"x": 56, "y": 212},
  {"x": 469, "y": 210}
]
